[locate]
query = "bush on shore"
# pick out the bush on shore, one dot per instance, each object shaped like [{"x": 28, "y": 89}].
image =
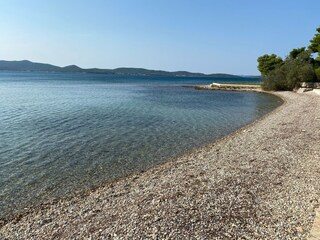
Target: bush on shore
[
  {"x": 317, "y": 70},
  {"x": 299, "y": 66}
]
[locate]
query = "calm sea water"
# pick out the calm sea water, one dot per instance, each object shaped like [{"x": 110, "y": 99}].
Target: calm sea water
[{"x": 60, "y": 133}]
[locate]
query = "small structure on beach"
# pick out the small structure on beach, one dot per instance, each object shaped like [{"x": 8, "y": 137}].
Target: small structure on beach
[{"x": 308, "y": 86}]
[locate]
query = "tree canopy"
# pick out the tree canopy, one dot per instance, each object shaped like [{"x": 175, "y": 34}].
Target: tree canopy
[
  {"x": 267, "y": 63},
  {"x": 315, "y": 42},
  {"x": 295, "y": 52},
  {"x": 299, "y": 66}
]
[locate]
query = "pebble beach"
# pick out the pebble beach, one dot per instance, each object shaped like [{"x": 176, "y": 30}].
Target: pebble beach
[{"x": 260, "y": 182}]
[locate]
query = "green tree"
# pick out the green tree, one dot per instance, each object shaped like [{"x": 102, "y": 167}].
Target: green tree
[
  {"x": 299, "y": 66},
  {"x": 295, "y": 52},
  {"x": 317, "y": 71},
  {"x": 267, "y": 63},
  {"x": 300, "y": 55},
  {"x": 315, "y": 42},
  {"x": 315, "y": 47}
]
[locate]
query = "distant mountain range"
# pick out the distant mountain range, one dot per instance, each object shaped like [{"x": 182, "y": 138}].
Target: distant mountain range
[{"x": 26, "y": 65}]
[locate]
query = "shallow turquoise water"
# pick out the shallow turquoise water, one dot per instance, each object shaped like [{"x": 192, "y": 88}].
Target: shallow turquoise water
[{"x": 60, "y": 133}]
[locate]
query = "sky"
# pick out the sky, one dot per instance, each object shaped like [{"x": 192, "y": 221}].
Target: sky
[{"x": 209, "y": 36}]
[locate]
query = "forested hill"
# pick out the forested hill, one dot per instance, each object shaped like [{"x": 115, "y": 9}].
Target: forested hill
[{"x": 26, "y": 65}]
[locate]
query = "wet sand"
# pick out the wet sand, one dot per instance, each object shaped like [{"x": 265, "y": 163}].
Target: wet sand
[{"x": 261, "y": 182}]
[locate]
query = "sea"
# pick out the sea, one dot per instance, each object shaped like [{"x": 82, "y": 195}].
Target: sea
[{"x": 61, "y": 134}]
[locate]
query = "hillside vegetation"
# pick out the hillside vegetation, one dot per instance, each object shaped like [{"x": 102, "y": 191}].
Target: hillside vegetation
[{"x": 26, "y": 65}]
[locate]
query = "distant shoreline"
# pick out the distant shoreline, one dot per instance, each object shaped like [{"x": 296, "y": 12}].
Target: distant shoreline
[{"x": 28, "y": 66}]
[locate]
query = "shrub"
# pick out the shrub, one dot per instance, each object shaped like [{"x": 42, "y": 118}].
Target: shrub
[
  {"x": 299, "y": 72},
  {"x": 288, "y": 76},
  {"x": 317, "y": 71},
  {"x": 275, "y": 81}
]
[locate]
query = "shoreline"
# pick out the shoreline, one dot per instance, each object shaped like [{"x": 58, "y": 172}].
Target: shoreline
[
  {"x": 231, "y": 87},
  {"x": 217, "y": 158},
  {"x": 83, "y": 193}
]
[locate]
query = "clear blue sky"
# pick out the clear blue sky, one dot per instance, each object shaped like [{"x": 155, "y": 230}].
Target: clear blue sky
[{"x": 200, "y": 36}]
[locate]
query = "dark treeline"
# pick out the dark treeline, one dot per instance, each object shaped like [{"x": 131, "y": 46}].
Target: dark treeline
[{"x": 301, "y": 65}]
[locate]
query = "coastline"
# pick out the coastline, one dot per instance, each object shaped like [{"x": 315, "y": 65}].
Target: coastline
[
  {"x": 217, "y": 190},
  {"x": 231, "y": 87}
]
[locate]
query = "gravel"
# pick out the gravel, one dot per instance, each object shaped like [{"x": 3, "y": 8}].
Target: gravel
[{"x": 261, "y": 182}]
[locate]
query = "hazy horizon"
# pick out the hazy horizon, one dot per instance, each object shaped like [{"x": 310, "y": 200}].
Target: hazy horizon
[{"x": 203, "y": 36}]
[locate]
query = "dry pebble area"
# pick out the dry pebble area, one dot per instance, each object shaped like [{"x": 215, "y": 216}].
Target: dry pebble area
[{"x": 261, "y": 182}]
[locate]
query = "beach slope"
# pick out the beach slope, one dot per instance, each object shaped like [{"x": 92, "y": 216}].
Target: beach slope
[{"x": 261, "y": 182}]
